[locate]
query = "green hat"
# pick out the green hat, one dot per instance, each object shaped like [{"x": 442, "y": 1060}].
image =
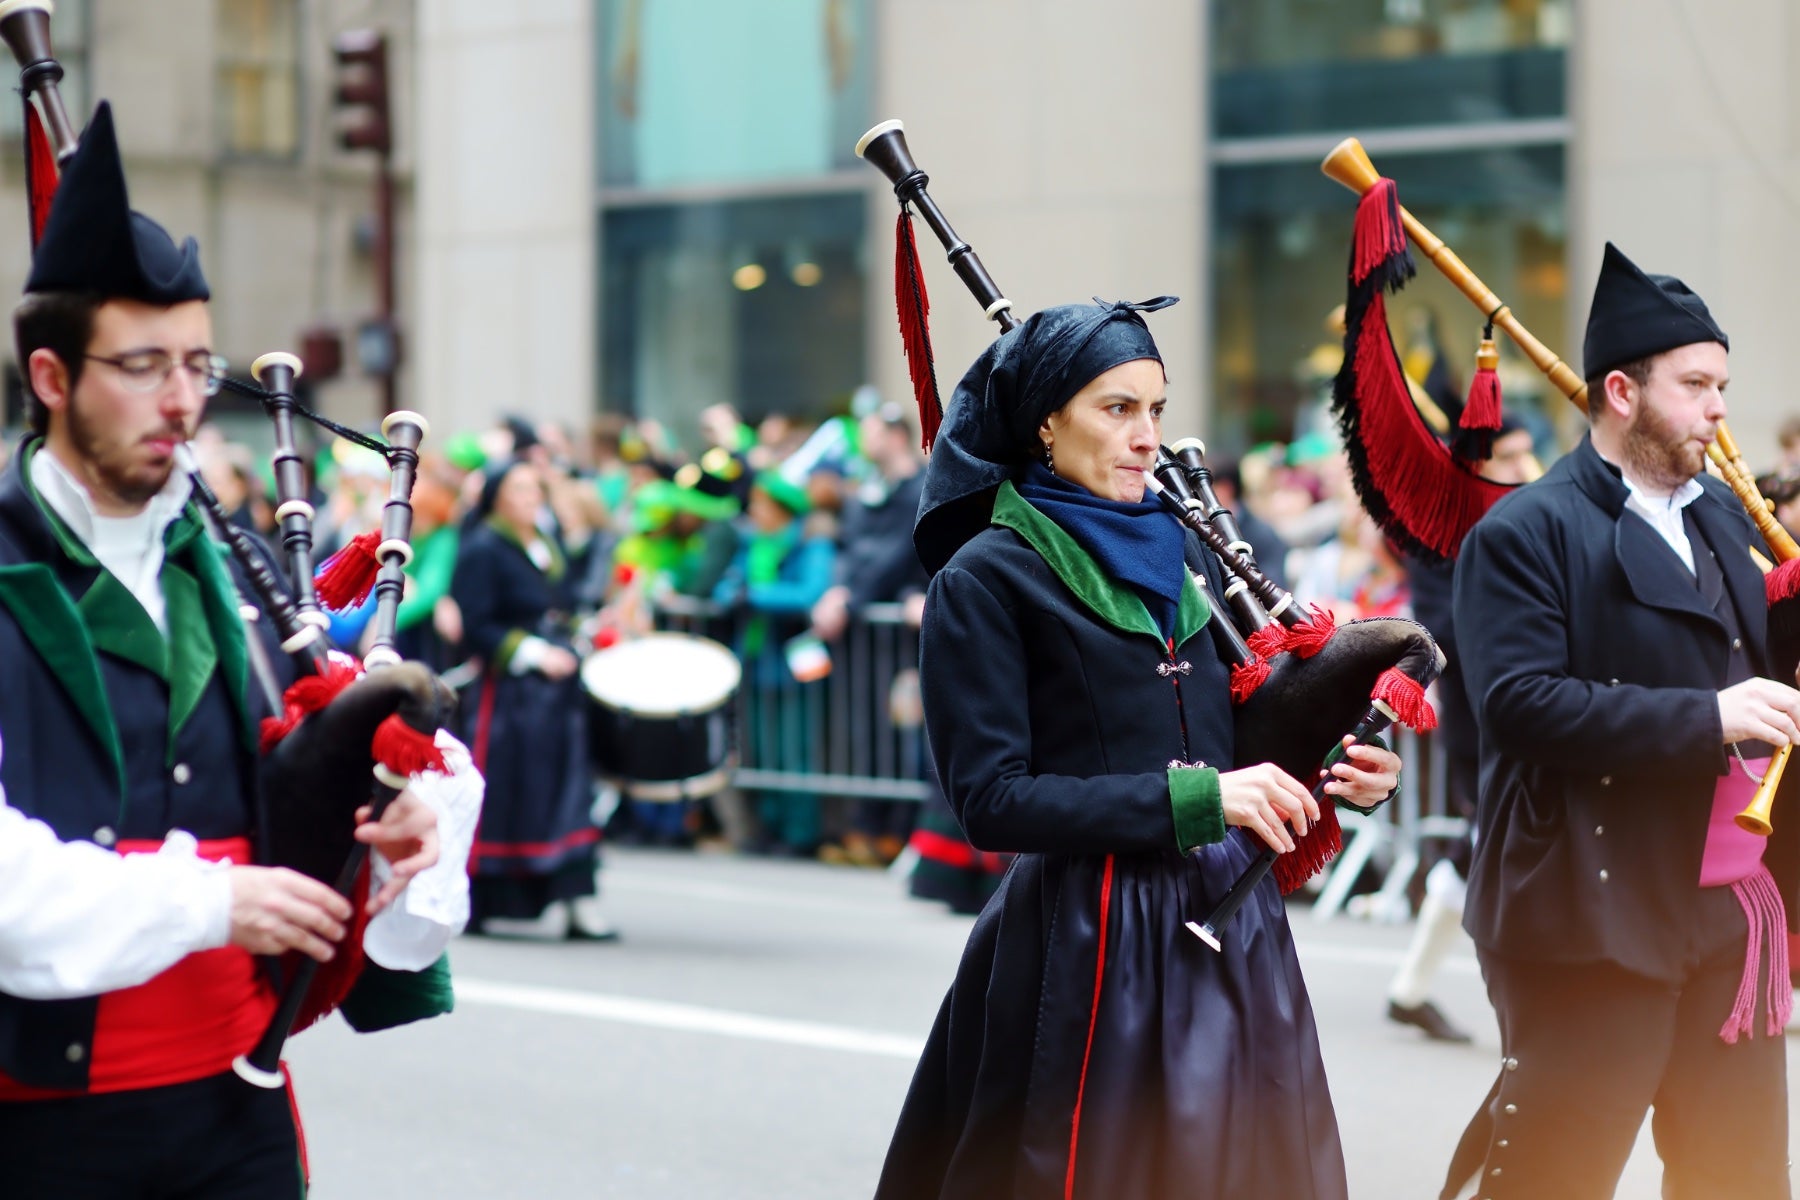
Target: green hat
[
  {"x": 784, "y": 492},
  {"x": 653, "y": 504},
  {"x": 464, "y": 452}
]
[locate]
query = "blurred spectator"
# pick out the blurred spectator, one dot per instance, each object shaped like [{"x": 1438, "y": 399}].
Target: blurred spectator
[
  {"x": 721, "y": 426},
  {"x": 876, "y": 564},
  {"x": 682, "y": 538},
  {"x": 1788, "y": 438},
  {"x": 612, "y": 474},
  {"x": 779, "y": 574},
  {"x": 1270, "y": 550},
  {"x": 430, "y": 625},
  {"x": 534, "y": 865},
  {"x": 1355, "y": 574},
  {"x": 1439, "y": 926}
]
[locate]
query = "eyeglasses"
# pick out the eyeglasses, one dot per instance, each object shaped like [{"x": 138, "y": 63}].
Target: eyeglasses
[{"x": 146, "y": 371}]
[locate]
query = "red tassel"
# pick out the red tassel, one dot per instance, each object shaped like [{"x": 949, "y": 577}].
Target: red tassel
[
  {"x": 335, "y": 978},
  {"x": 344, "y": 580},
  {"x": 1409, "y": 482},
  {"x": 1270, "y": 640},
  {"x": 1309, "y": 637},
  {"x": 1312, "y": 853},
  {"x": 1783, "y": 583},
  {"x": 915, "y": 328},
  {"x": 1402, "y": 693},
  {"x": 1378, "y": 245},
  {"x": 305, "y": 697},
  {"x": 40, "y": 172},
  {"x": 1480, "y": 421},
  {"x": 1246, "y": 677},
  {"x": 404, "y": 750}
]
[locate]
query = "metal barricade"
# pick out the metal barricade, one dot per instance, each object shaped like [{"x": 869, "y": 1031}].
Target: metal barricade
[{"x": 834, "y": 736}]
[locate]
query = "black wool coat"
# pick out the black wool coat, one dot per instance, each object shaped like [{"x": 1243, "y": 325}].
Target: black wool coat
[
  {"x": 1085, "y": 1022},
  {"x": 1595, "y": 683}
]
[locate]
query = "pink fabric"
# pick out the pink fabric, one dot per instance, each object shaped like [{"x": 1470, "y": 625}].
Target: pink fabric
[
  {"x": 1761, "y": 901},
  {"x": 1731, "y": 853}
]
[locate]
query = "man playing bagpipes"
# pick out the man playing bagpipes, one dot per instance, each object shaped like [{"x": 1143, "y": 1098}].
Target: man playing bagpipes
[
  {"x": 1632, "y": 937},
  {"x": 131, "y": 722}
]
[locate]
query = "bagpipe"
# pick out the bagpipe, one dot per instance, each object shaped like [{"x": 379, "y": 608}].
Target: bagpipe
[
  {"x": 1426, "y": 495},
  {"x": 1299, "y": 683},
  {"x": 344, "y": 734}
]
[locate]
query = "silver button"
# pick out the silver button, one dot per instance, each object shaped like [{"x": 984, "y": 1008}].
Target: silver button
[
  {"x": 181, "y": 773},
  {"x": 1494, "y": 1172},
  {"x": 1502, "y": 1143},
  {"x": 1511, "y": 1110},
  {"x": 1737, "y": 643},
  {"x": 1603, "y": 875},
  {"x": 1512, "y": 1064},
  {"x": 1606, "y": 781},
  {"x": 1612, "y": 683},
  {"x": 1599, "y": 829},
  {"x": 105, "y": 836},
  {"x": 76, "y": 1052}
]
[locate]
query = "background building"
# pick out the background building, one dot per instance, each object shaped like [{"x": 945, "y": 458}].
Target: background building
[
  {"x": 651, "y": 205},
  {"x": 225, "y": 118}
]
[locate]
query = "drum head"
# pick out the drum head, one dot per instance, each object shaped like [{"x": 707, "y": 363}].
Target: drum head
[{"x": 662, "y": 674}]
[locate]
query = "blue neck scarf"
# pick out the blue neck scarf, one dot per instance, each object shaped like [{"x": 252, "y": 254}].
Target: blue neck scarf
[{"x": 1139, "y": 544}]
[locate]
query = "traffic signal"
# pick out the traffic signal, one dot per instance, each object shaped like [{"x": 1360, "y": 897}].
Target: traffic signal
[{"x": 362, "y": 90}]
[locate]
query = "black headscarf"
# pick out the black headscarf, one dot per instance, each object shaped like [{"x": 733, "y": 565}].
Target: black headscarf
[
  {"x": 1635, "y": 315},
  {"x": 990, "y": 430}
]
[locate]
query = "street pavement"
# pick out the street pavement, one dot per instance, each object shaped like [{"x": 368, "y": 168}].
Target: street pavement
[{"x": 751, "y": 1038}]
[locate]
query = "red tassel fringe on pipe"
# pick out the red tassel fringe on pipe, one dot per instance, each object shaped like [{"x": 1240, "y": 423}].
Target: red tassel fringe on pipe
[
  {"x": 344, "y": 580},
  {"x": 915, "y": 329}
]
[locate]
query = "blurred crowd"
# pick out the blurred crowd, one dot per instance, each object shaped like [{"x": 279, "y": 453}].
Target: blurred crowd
[{"x": 782, "y": 534}]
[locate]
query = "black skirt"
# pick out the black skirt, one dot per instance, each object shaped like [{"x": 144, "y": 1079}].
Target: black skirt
[
  {"x": 1195, "y": 1073},
  {"x": 537, "y": 840}
]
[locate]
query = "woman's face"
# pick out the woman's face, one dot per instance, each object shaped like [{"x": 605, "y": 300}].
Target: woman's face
[
  {"x": 519, "y": 498},
  {"x": 1105, "y": 437}
]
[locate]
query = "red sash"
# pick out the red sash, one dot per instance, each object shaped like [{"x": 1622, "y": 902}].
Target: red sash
[{"x": 187, "y": 1023}]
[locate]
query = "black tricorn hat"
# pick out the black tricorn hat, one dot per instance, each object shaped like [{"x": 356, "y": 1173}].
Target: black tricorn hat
[
  {"x": 1635, "y": 315},
  {"x": 93, "y": 242}
]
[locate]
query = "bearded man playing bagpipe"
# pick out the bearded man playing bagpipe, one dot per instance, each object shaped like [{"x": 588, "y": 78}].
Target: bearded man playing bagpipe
[
  {"x": 1632, "y": 936},
  {"x": 128, "y": 712}
]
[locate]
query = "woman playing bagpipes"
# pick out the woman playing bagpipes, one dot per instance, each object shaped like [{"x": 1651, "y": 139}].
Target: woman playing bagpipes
[{"x": 1081, "y": 716}]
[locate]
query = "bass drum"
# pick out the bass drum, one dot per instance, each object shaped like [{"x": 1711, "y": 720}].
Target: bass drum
[{"x": 660, "y": 715}]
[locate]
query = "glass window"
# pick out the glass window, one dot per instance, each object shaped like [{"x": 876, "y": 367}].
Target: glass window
[
  {"x": 1281, "y": 247},
  {"x": 257, "y": 78},
  {"x": 1289, "y": 66},
  {"x": 68, "y": 42},
  {"x": 756, "y": 302},
  {"x": 707, "y": 91}
]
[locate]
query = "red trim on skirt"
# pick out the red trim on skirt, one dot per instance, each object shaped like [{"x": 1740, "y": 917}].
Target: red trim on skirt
[{"x": 1093, "y": 1019}]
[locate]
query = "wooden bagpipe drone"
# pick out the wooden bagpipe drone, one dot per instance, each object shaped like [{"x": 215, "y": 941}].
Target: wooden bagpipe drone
[
  {"x": 1427, "y": 495},
  {"x": 344, "y": 735},
  {"x": 1299, "y": 682}
]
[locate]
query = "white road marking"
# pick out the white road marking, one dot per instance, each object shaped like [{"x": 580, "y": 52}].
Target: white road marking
[{"x": 687, "y": 1018}]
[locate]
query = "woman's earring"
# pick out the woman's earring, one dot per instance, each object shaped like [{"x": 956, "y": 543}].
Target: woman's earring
[{"x": 1049, "y": 463}]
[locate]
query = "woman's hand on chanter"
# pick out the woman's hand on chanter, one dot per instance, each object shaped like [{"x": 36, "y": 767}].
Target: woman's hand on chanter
[
  {"x": 1365, "y": 776},
  {"x": 1265, "y": 800}
]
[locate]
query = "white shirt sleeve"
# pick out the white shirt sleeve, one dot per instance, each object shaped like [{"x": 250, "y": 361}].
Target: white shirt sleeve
[
  {"x": 410, "y": 933},
  {"x": 77, "y": 920}
]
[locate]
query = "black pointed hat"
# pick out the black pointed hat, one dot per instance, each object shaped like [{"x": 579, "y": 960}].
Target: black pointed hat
[
  {"x": 1635, "y": 315},
  {"x": 93, "y": 242}
]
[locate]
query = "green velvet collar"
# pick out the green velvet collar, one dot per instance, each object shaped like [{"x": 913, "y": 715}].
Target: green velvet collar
[
  {"x": 205, "y": 631},
  {"x": 1113, "y": 602}
]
